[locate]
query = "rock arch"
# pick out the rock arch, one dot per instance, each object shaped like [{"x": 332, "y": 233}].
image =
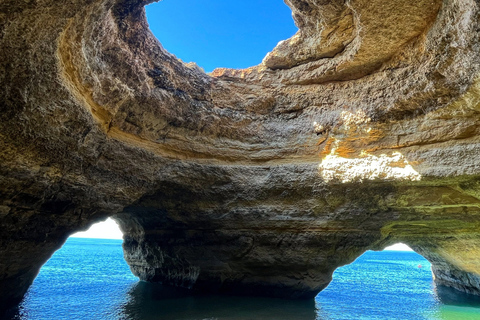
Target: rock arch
[{"x": 361, "y": 129}]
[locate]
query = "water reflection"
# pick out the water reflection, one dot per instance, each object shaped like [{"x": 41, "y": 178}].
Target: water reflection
[
  {"x": 153, "y": 301},
  {"x": 88, "y": 279},
  {"x": 453, "y": 297},
  {"x": 456, "y": 305}
]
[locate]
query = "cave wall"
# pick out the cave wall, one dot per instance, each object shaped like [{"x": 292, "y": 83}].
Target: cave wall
[{"x": 360, "y": 131}]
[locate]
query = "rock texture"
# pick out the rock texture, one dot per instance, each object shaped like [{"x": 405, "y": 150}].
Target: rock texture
[{"x": 360, "y": 131}]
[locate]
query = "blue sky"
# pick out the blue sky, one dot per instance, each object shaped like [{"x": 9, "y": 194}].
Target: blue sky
[{"x": 220, "y": 33}]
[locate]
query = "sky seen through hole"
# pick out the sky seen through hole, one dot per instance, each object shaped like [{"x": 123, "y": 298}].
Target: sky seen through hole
[{"x": 219, "y": 33}]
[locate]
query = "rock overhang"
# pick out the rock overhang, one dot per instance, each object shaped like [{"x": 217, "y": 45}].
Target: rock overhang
[{"x": 361, "y": 130}]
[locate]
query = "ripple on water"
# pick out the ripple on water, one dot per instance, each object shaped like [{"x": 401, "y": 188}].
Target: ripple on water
[{"x": 89, "y": 279}]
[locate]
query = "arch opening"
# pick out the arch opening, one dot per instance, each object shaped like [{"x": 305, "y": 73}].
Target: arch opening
[
  {"x": 393, "y": 283},
  {"x": 107, "y": 229},
  {"x": 218, "y": 33},
  {"x": 87, "y": 278}
]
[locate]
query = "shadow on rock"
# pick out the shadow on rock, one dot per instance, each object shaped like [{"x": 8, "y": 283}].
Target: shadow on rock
[
  {"x": 154, "y": 301},
  {"x": 450, "y": 296}
]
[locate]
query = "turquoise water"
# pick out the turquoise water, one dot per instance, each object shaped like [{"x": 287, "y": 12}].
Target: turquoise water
[{"x": 88, "y": 279}]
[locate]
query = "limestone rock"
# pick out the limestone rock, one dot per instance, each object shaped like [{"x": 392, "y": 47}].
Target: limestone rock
[{"x": 360, "y": 131}]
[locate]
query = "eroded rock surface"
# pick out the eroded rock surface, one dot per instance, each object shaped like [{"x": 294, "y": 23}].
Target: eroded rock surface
[{"x": 360, "y": 131}]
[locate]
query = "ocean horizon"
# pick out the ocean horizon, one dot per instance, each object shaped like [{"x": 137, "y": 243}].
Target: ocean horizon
[{"x": 89, "y": 279}]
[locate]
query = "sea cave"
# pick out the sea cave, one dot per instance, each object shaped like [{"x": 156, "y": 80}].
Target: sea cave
[{"x": 360, "y": 131}]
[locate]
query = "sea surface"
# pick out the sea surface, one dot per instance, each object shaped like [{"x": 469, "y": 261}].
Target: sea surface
[{"x": 89, "y": 279}]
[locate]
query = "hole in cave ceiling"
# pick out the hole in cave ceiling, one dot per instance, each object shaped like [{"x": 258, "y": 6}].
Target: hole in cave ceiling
[{"x": 219, "y": 33}]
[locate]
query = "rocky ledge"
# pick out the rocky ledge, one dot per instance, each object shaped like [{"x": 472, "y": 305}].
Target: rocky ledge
[{"x": 360, "y": 131}]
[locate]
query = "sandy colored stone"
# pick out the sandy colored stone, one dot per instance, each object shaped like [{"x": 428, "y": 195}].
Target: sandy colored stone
[{"x": 359, "y": 132}]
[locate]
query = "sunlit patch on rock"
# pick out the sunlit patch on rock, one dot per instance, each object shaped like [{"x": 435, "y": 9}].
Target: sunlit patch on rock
[{"x": 367, "y": 167}]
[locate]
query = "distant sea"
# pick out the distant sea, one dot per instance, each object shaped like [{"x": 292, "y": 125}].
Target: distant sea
[{"x": 89, "y": 279}]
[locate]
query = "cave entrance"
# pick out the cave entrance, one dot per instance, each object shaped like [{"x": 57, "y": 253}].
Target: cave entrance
[
  {"x": 387, "y": 284},
  {"x": 85, "y": 279},
  {"x": 107, "y": 229},
  {"x": 219, "y": 33}
]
